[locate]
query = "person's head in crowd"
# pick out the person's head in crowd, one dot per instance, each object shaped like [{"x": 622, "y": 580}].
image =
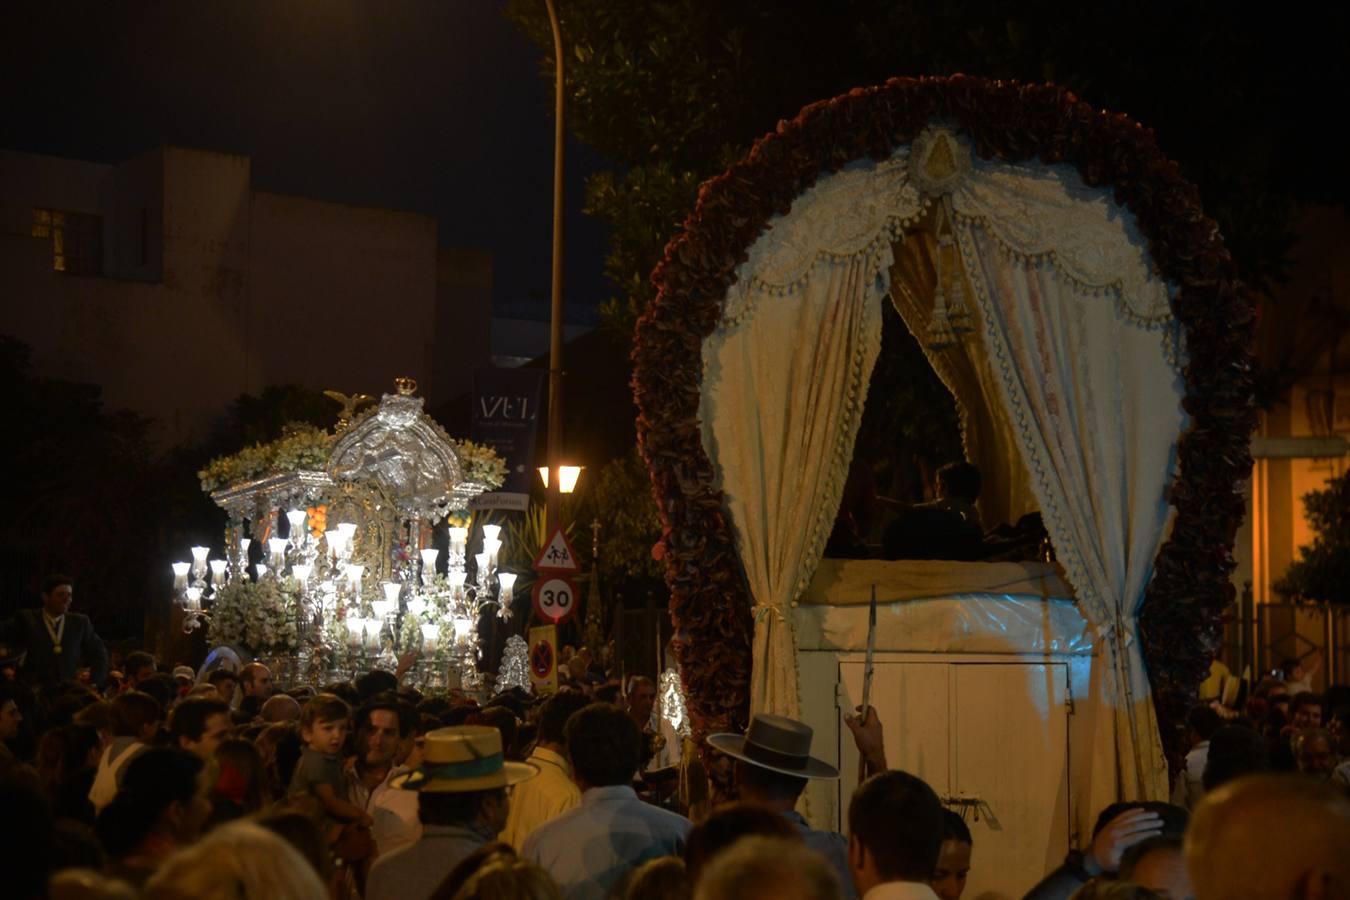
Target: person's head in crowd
[
  {"x": 1340, "y": 730},
  {"x": 960, "y": 481},
  {"x": 490, "y": 852},
  {"x": 279, "y": 708},
  {"x": 460, "y": 715},
  {"x": 725, "y": 826},
  {"x": 772, "y": 760},
  {"x": 136, "y": 715},
  {"x": 765, "y": 868},
  {"x": 344, "y": 689},
  {"x": 280, "y": 746},
  {"x": 199, "y": 724},
  {"x": 447, "y": 797},
  {"x": 1291, "y": 669},
  {"x": 1270, "y": 836},
  {"x": 505, "y": 721},
  {"x": 663, "y": 878},
  {"x": 953, "y": 863},
  {"x": 384, "y": 727},
  {"x": 237, "y": 860},
  {"x": 185, "y": 676},
  {"x": 98, "y": 716},
  {"x": 57, "y": 593},
  {"x": 416, "y": 743},
  {"x": 604, "y": 745},
  {"x": 1159, "y": 865},
  {"x": 241, "y": 783},
  {"x": 205, "y": 690},
  {"x": 225, "y": 682},
  {"x": 163, "y": 688},
  {"x": 641, "y": 699},
  {"x": 1314, "y": 753},
  {"x": 503, "y": 878},
  {"x": 65, "y": 751},
  {"x": 1201, "y": 722},
  {"x": 27, "y": 837},
  {"x": 376, "y": 681},
  {"x": 553, "y": 717},
  {"x": 255, "y": 680},
  {"x": 1172, "y": 819},
  {"x": 436, "y": 707},
  {"x": 11, "y": 711},
  {"x": 324, "y": 723},
  {"x": 895, "y": 830},
  {"x": 139, "y": 667},
  {"x": 610, "y": 692},
  {"x": 1234, "y": 750},
  {"x": 161, "y": 805},
  {"x": 302, "y": 832},
  {"x": 1305, "y": 711}
]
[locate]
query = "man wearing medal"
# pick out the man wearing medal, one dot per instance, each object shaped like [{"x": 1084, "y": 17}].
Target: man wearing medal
[{"x": 56, "y": 642}]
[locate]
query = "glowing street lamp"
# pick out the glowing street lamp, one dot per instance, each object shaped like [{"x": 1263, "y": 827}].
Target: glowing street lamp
[{"x": 567, "y": 480}]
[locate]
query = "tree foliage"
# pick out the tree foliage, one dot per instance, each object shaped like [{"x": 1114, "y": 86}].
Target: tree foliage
[
  {"x": 1322, "y": 571},
  {"x": 672, "y": 91}
]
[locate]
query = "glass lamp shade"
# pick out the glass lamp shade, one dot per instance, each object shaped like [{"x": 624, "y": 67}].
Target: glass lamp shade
[
  {"x": 244, "y": 544},
  {"x": 482, "y": 560},
  {"x": 347, "y": 529},
  {"x": 199, "y": 554},
  {"x": 459, "y": 537},
  {"x": 429, "y": 559},
  {"x": 301, "y": 572},
  {"x": 462, "y": 628},
  {"x": 218, "y": 567},
  {"x": 417, "y": 605},
  {"x": 491, "y": 546},
  {"x": 355, "y": 627},
  {"x": 372, "y": 634},
  {"x": 567, "y": 478},
  {"x": 277, "y": 546},
  {"x": 261, "y": 569},
  {"x": 456, "y": 579},
  {"x": 391, "y": 591},
  {"x": 193, "y": 602},
  {"x": 297, "y": 519},
  {"x": 353, "y": 572},
  {"x": 180, "y": 571},
  {"x": 384, "y": 608},
  {"x": 491, "y": 532},
  {"x": 335, "y": 540},
  {"x": 431, "y": 633},
  {"x": 508, "y": 581}
]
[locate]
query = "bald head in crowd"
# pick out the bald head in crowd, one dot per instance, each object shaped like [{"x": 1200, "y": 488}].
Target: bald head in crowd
[
  {"x": 280, "y": 708},
  {"x": 1270, "y": 837}
]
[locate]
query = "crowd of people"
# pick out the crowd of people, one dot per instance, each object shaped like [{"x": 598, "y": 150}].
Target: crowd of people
[{"x": 163, "y": 783}]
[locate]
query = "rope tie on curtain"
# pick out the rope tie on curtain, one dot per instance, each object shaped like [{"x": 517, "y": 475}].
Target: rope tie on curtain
[{"x": 761, "y": 610}]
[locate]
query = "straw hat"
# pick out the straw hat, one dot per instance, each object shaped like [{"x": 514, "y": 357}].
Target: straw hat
[
  {"x": 775, "y": 743},
  {"x": 463, "y": 758}
]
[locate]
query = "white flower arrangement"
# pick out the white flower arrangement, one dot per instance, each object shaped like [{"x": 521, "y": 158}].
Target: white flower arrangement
[
  {"x": 480, "y": 463},
  {"x": 258, "y": 615},
  {"x": 300, "y": 448}
]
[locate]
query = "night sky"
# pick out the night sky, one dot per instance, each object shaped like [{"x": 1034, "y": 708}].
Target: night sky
[{"x": 433, "y": 106}]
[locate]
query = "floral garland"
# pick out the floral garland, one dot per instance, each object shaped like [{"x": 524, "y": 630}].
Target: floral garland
[
  {"x": 304, "y": 448},
  {"x": 307, "y": 449},
  {"x": 258, "y": 615},
  {"x": 1181, "y": 617}
]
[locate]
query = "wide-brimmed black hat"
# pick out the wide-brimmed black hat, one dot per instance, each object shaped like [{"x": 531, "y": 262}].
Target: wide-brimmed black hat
[{"x": 775, "y": 743}]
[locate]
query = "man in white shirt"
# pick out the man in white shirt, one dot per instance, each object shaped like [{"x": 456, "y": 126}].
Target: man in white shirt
[
  {"x": 1202, "y": 721},
  {"x": 135, "y": 720},
  {"x": 385, "y": 732},
  {"x": 895, "y": 832},
  {"x": 553, "y": 792},
  {"x": 592, "y": 849}
]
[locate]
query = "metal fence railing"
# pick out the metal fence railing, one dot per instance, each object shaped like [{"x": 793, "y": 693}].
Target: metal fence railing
[{"x": 1263, "y": 635}]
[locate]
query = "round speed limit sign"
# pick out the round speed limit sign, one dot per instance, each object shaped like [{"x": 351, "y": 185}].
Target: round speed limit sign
[{"x": 554, "y": 598}]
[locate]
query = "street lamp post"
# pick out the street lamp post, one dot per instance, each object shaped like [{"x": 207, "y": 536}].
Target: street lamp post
[{"x": 555, "y": 374}]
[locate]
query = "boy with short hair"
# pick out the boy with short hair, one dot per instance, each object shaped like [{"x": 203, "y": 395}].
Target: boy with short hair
[{"x": 323, "y": 727}]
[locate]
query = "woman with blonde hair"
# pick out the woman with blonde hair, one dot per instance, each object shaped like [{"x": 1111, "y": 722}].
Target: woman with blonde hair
[
  {"x": 239, "y": 859},
  {"x": 504, "y": 878}
]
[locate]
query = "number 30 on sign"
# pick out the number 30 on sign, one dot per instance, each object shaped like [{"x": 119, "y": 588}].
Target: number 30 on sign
[{"x": 554, "y": 598}]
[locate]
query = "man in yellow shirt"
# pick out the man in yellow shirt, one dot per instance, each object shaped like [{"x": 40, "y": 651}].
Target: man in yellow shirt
[{"x": 552, "y": 792}]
